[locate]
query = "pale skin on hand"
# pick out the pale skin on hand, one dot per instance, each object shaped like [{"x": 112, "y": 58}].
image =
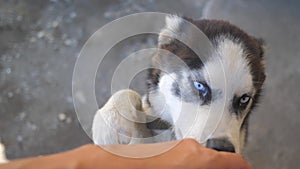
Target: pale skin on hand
[{"x": 187, "y": 154}]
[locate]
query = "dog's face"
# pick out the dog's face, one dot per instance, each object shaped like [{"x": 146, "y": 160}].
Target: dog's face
[{"x": 207, "y": 100}]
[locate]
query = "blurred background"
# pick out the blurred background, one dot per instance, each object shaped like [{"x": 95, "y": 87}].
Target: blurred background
[{"x": 40, "y": 41}]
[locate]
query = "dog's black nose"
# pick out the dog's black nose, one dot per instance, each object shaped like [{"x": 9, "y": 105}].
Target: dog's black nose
[{"x": 220, "y": 144}]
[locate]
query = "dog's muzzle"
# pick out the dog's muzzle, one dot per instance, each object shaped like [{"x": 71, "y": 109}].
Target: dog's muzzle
[{"x": 220, "y": 144}]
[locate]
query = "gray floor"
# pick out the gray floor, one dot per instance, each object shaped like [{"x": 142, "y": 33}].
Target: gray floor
[{"x": 39, "y": 43}]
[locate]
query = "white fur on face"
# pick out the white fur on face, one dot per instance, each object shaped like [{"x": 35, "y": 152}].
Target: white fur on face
[
  {"x": 184, "y": 116},
  {"x": 228, "y": 71},
  {"x": 163, "y": 100}
]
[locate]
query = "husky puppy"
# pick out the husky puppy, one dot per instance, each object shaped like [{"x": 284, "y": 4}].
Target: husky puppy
[{"x": 209, "y": 100}]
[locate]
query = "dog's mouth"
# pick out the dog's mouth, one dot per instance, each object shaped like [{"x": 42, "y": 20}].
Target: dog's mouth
[
  {"x": 158, "y": 124},
  {"x": 220, "y": 144}
]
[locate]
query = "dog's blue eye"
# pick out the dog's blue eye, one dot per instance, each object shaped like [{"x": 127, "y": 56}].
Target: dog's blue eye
[{"x": 199, "y": 86}]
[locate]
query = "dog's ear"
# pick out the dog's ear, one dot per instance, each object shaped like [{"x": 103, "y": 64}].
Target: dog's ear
[
  {"x": 263, "y": 46},
  {"x": 170, "y": 31},
  {"x": 176, "y": 29},
  {"x": 260, "y": 70},
  {"x": 178, "y": 38}
]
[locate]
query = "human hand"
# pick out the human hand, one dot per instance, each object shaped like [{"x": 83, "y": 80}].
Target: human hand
[{"x": 189, "y": 154}]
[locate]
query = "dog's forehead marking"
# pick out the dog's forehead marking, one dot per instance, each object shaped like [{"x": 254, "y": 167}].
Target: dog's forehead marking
[{"x": 228, "y": 68}]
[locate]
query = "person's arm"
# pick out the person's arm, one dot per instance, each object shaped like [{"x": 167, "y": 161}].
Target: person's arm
[{"x": 188, "y": 154}]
